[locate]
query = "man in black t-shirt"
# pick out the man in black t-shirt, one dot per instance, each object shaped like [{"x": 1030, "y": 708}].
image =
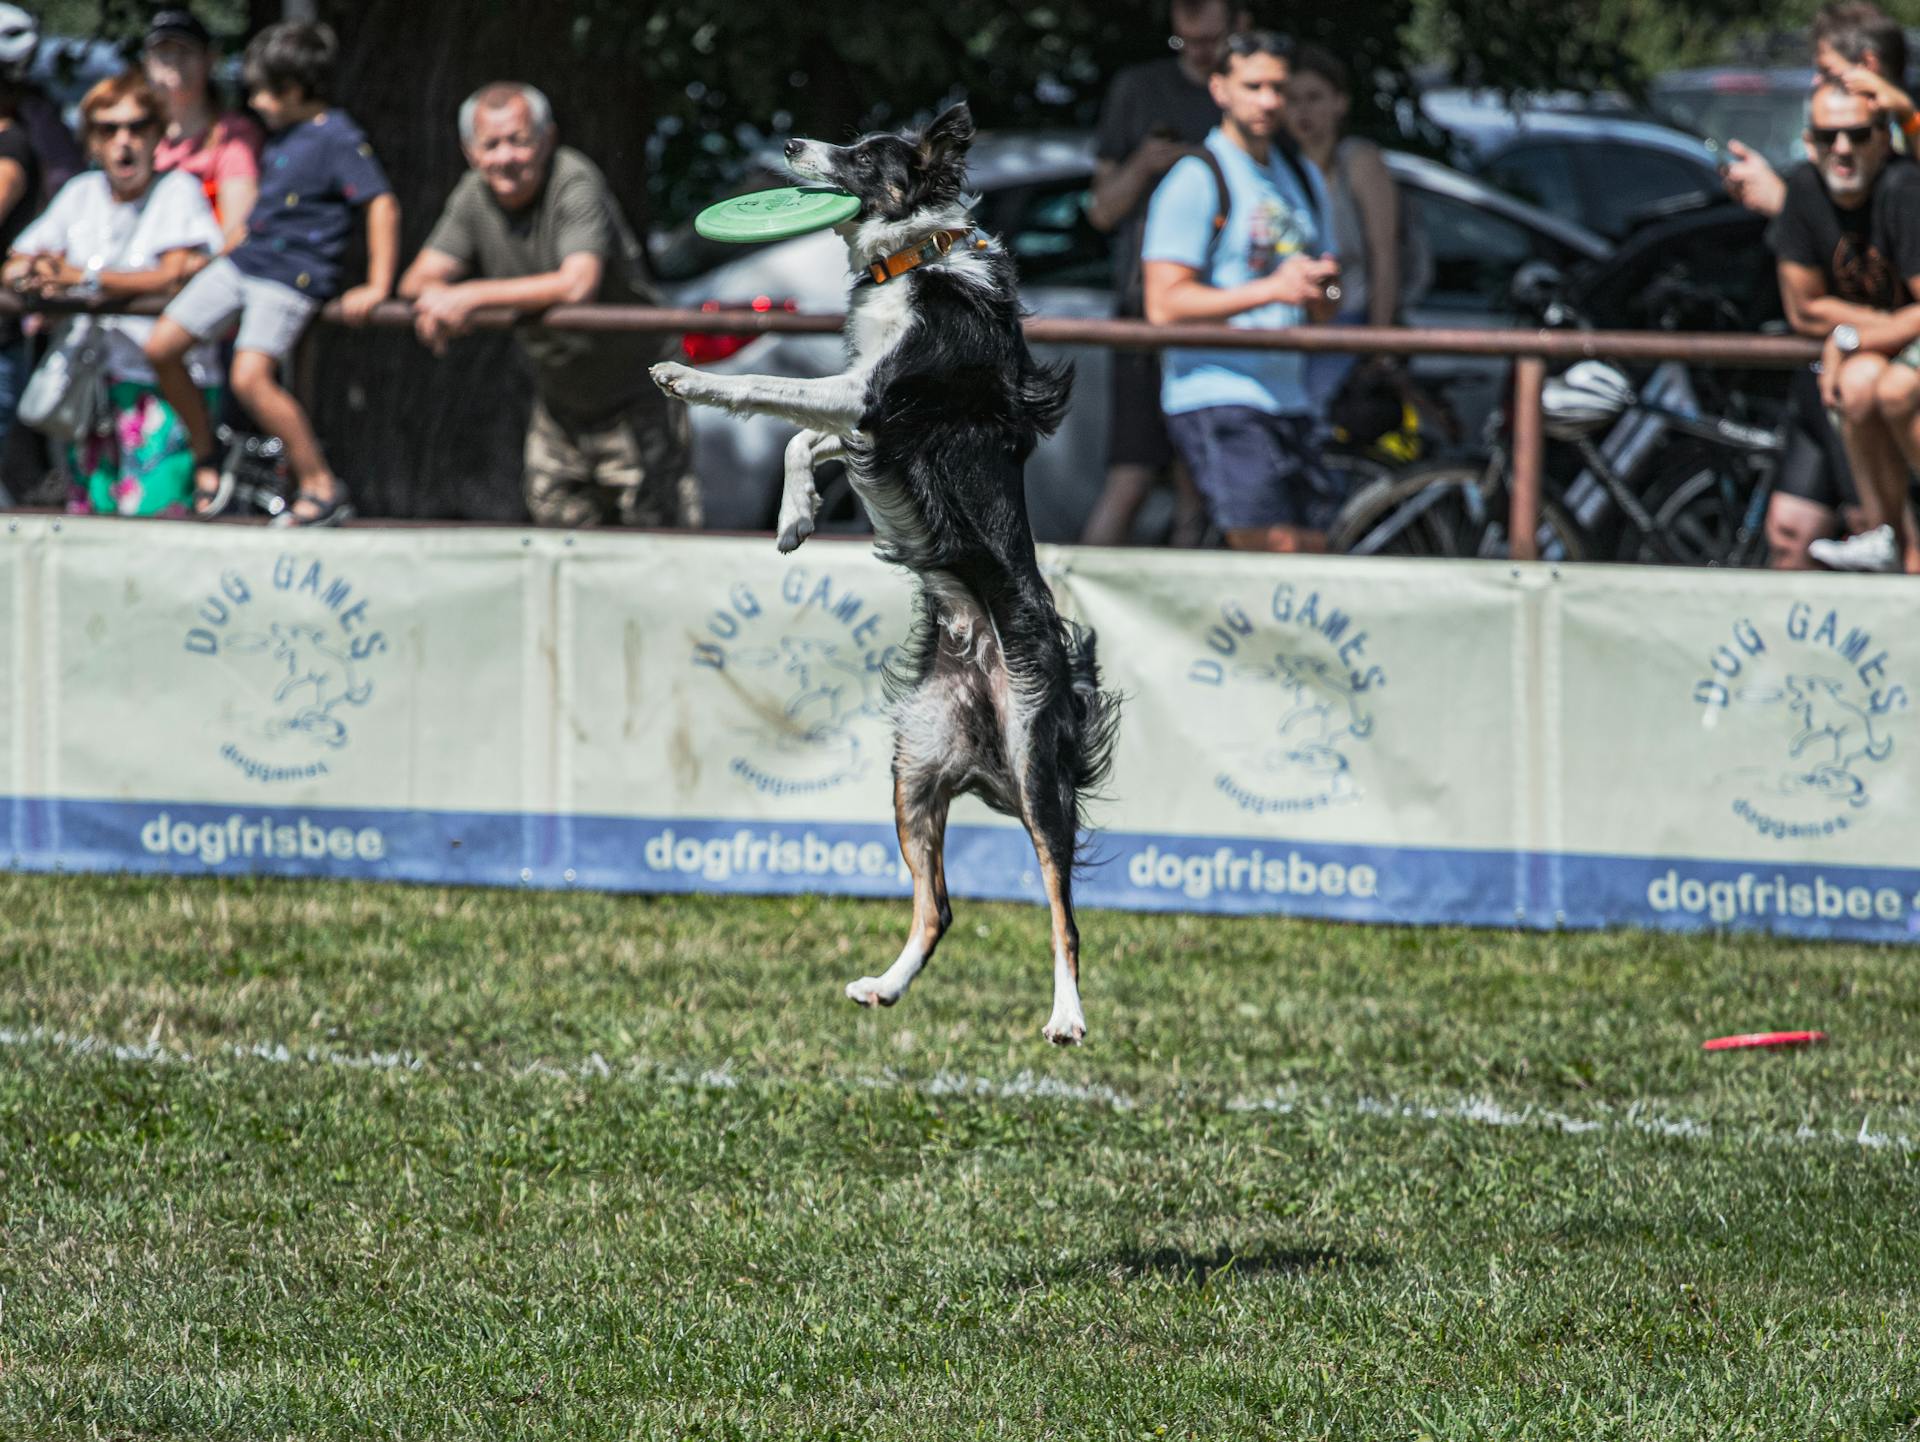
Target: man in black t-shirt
[
  {"x": 1848, "y": 245},
  {"x": 1153, "y": 114}
]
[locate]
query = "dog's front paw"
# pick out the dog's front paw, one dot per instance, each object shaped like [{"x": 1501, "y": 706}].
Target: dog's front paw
[
  {"x": 673, "y": 378},
  {"x": 870, "y": 991},
  {"x": 793, "y": 534},
  {"x": 796, "y": 518}
]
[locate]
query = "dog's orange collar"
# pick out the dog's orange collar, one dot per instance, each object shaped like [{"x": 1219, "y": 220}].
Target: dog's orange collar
[{"x": 893, "y": 266}]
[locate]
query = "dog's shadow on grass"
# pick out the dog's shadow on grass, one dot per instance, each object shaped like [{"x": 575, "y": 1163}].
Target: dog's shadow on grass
[{"x": 1185, "y": 1267}]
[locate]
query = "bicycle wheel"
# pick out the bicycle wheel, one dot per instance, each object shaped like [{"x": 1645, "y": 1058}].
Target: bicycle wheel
[
  {"x": 1444, "y": 510},
  {"x": 1347, "y": 476},
  {"x": 1700, "y": 510}
]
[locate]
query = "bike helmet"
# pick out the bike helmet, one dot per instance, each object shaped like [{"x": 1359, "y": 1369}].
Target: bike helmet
[
  {"x": 1586, "y": 398},
  {"x": 19, "y": 38}
]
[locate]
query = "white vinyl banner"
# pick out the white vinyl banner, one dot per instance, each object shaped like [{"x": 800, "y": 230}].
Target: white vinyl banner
[
  {"x": 1312, "y": 735},
  {"x": 1368, "y": 740},
  {"x": 1735, "y": 749}
]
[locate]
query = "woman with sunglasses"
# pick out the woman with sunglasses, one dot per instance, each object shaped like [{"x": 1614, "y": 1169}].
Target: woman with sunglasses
[{"x": 120, "y": 231}]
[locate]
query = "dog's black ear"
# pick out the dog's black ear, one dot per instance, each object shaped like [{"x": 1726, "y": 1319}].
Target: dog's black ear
[{"x": 950, "y": 133}]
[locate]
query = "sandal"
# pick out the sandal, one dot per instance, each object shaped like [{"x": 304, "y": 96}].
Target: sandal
[
  {"x": 208, "y": 503},
  {"x": 311, "y": 510}
]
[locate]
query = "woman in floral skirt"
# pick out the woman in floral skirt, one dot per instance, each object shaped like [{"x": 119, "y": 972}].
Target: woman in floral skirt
[{"x": 121, "y": 231}]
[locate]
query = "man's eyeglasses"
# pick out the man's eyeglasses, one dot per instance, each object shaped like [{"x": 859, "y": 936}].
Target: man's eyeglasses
[
  {"x": 1857, "y": 135},
  {"x": 107, "y": 129}
]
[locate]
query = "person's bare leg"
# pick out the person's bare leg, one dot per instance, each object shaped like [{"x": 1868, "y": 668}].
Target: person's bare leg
[
  {"x": 1111, "y": 521},
  {"x": 166, "y": 350},
  {"x": 257, "y": 384},
  {"x": 1189, "y": 509},
  {"x": 1793, "y": 522},
  {"x": 1898, "y": 395},
  {"x": 1289, "y": 540},
  {"x": 1878, "y": 467}
]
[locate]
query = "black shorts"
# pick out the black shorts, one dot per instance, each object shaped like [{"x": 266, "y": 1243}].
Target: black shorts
[
  {"x": 1254, "y": 469},
  {"x": 1815, "y": 465},
  {"x": 1136, "y": 429}
]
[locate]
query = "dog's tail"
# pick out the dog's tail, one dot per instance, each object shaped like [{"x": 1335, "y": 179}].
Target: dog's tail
[
  {"x": 1096, "y": 720},
  {"x": 1044, "y": 393}
]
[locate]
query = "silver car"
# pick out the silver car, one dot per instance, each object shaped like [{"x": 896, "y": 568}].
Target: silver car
[
  {"x": 1033, "y": 191},
  {"x": 1590, "y": 160}
]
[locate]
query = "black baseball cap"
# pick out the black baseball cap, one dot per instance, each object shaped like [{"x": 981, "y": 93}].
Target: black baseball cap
[{"x": 177, "y": 25}]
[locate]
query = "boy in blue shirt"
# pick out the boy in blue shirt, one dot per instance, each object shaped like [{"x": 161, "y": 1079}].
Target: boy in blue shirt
[
  {"x": 1242, "y": 418},
  {"x": 315, "y": 172}
]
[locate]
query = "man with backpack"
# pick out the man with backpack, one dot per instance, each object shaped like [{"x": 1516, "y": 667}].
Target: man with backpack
[{"x": 1239, "y": 234}]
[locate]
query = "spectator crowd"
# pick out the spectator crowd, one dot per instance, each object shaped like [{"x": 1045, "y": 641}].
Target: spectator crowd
[
  {"x": 1224, "y": 177},
  {"x": 243, "y": 222}
]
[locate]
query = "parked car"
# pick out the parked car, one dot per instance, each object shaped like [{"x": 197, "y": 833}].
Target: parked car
[
  {"x": 1033, "y": 193},
  {"x": 1591, "y": 160},
  {"x": 1765, "y": 109}
]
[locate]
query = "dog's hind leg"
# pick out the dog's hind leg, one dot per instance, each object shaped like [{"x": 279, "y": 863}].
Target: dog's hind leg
[
  {"x": 920, "y": 801},
  {"x": 1049, "y": 819}
]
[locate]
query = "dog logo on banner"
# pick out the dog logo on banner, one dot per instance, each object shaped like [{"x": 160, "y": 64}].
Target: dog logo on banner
[
  {"x": 808, "y": 673},
  {"x": 299, "y": 645},
  {"x": 1812, "y": 695},
  {"x": 1303, "y": 684}
]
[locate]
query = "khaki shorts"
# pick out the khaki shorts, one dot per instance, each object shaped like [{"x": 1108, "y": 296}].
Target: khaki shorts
[
  {"x": 633, "y": 470},
  {"x": 272, "y": 316}
]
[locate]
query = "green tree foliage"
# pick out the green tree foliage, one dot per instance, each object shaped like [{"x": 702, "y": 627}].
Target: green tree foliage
[{"x": 726, "y": 76}]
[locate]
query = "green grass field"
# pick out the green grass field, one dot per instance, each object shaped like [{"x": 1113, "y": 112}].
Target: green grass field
[{"x": 344, "y": 1161}]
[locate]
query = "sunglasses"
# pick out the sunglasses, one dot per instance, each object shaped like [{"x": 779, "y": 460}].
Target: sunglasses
[
  {"x": 107, "y": 129},
  {"x": 1857, "y": 135}
]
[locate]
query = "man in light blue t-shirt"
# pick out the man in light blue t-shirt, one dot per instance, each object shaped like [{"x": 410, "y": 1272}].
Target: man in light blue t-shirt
[{"x": 1242, "y": 418}]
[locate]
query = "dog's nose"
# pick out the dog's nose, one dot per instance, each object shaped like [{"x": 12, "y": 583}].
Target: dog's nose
[{"x": 794, "y": 147}]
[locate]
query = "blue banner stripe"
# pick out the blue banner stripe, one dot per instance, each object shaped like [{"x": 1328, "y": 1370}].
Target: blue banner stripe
[{"x": 1129, "y": 870}]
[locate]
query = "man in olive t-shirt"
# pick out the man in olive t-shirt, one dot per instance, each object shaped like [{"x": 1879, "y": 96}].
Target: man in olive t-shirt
[{"x": 534, "y": 224}]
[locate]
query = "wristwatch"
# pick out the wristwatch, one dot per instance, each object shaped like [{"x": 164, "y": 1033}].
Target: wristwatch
[{"x": 1846, "y": 339}]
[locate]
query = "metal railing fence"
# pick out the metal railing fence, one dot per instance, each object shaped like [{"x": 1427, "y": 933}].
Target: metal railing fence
[{"x": 1531, "y": 350}]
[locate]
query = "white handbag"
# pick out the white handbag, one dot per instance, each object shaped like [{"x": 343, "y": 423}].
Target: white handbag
[{"x": 65, "y": 398}]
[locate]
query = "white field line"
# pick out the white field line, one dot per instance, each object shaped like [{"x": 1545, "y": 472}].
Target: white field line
[{"x": 1470, "y": 1110}]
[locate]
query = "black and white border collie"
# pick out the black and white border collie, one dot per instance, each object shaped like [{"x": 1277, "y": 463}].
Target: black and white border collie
[{"x": 935, "y": 415}]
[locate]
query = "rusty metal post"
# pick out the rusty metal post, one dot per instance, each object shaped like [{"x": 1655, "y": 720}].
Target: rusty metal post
[{"x": 1523, "y": 521}]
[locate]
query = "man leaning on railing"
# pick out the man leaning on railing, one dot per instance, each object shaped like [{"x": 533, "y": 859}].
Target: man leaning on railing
[{"x": 534, "y": 224}]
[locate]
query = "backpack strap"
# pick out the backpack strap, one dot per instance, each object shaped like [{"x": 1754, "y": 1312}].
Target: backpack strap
[
  {"x": 1223, "y": 198},
  {"x": 1222, "y": 201}
]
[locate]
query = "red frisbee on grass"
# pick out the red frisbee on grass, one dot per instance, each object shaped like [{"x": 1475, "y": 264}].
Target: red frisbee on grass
[{"x": 1763, "y": 1038}]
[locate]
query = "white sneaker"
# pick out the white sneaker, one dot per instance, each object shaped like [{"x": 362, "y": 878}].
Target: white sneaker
[{"x": 1873, "y": 550}]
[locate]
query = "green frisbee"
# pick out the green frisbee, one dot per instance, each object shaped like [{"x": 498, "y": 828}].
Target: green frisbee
[{"x": 775, "y": 214}]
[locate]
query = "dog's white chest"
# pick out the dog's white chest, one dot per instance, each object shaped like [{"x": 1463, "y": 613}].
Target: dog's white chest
[{"x": 879, "y": 321}]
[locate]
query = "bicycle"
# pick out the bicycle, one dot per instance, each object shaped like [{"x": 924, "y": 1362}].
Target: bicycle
[
  {"x": 262, "y": 478},
  {"x": 1682, "y": 486}
]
